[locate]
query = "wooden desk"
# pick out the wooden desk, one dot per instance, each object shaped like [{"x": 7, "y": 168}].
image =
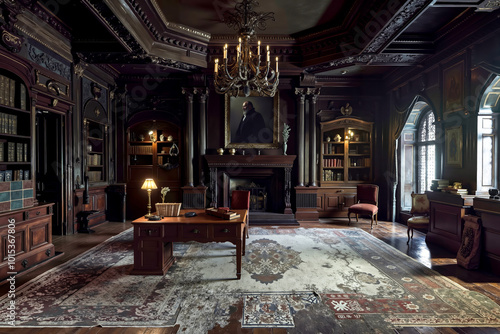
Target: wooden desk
[{"x": 153, "y": 249}]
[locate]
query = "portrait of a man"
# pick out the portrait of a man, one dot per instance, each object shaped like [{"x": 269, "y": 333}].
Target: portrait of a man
[
  {"x": 251, "y": 122},
  {"x": 252, "y": 128}
]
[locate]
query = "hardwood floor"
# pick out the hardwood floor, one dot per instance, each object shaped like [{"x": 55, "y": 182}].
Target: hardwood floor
[{"x": 393, "y": 234}]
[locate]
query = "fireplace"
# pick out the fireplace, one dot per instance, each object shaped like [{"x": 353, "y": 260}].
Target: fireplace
[{"x": 268, "y": 177}]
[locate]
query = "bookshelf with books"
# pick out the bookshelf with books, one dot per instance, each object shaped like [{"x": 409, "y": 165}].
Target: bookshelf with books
[
  {"x": 345, "y": 161},
  {"x": 153, "y": 151},
  {"x": 95, "y": 134},
  {"x": 15, "y": 143}
]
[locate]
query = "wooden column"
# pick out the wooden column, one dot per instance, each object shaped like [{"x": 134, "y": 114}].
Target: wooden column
[
  {"x": 189, "y": 137},
  {"x": 301, "y": 98},
  {"x": 313, "y": 95},
  {"x": 202, "y": 98}
]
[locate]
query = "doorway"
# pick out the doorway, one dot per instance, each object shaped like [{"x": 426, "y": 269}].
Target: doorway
[{"x": 50, "y": 161}]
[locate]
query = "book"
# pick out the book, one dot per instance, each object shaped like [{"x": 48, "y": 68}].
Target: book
[
  {"x": 2, "y": 87},
  {"x": 2, "y": 176},
  {"x": 22, "y": 95},
  {"x": 12, "y": 92},
  {"x": 2, "y": 149},
  {"x": 19, "y": 152},
  {"x": 8, "y": 175},
  {"x": 25, "y": 151},
  {"x": 11, "y": 151},
  {"x": 26, "y": 174}
]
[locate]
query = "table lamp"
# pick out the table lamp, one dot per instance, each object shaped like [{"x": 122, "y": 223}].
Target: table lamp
[{"x": 149, "y": 184}]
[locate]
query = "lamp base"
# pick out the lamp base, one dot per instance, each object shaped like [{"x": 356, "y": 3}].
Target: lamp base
[{"x": 148, "y": 215}]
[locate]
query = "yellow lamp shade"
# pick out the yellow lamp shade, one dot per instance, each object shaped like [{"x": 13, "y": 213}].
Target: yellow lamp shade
[{"x": 149, "y": 184}]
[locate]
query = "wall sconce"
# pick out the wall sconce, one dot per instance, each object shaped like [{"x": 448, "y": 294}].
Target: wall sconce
[
  {"x": 149, "y": 184},
  {"x": 152, "y": 136}
]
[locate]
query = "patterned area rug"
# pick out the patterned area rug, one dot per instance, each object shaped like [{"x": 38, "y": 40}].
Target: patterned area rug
[{"x": 322, "y": 280}]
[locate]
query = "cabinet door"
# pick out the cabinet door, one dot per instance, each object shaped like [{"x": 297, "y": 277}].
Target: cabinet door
[
  {"x": 333, "y": 201},
  {"x": 349, "y": 199}
]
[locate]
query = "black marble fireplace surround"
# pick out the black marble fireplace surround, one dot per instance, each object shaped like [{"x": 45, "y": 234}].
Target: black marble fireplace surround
[{"x": 274, "y": 171}]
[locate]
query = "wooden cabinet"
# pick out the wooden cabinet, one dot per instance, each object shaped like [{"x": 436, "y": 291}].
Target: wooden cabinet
[
  {"x": 446, "y": 219},
  {"x": 154, "y": 151},
  {"x": 97, "y": 202},
  {"x": 96, "y": 148},
  {"x": 346, "y": 151},
  {"x": 345, "y": 161},
  {"x": 334, "y": 201},
  {"x": 31, "y": 230},
  {"x": 489, "y": 211}
]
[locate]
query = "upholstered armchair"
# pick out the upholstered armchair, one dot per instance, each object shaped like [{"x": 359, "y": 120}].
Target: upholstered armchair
[
  {"x": 240, "y": 199},
  {"x": 420, "y": 209},
  {"x": 367, "y": 202}
]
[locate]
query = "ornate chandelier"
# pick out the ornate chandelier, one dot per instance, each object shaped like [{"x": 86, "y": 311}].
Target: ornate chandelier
[{"x": 250, "y": 70}]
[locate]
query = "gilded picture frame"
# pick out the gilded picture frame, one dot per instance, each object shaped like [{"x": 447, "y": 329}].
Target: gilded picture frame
[
  {"x": 268, "y": 107},
  {"x": 453, "y": 88},
  {"x": 454, "y": 144}
]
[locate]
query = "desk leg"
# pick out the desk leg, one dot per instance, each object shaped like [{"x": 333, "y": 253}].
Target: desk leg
[
  {"x": 238, "y": 258},
  {"x": 244, "y": 239}
]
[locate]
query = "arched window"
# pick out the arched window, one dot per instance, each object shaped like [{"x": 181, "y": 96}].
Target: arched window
[
  {"x": 426, "y": 148},
  {"x": 487, "y": 141},
  {"x": 417, "y": 151}
]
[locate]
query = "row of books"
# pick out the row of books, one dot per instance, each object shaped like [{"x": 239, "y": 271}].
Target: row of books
[
  {"x": 8, "y": 93},
  {"x": 141, "y": 150},
  {"x": 333, "y": 163},
  {"x": 360, "y": 162},
  {"x": 331, "y": 148},
  {"x": 94, "y": 176},
  {"x": 330, "y": 175},
  {"x": 8, "y": 123},
  {"x": 94, "y": 159},
  {"x": 14, "y": 175},
  {"x": 14, "y": 152}
]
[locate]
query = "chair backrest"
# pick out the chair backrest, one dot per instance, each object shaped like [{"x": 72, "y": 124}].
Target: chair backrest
[
  {"x": 240, "y": 199},
  {"x": 367, "y": 193},
  {"x": 419, "y": 204}
]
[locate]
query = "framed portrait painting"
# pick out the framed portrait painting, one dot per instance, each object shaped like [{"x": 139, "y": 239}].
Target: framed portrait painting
[
  {"x": 453, "y": 139},
  {"x": 257, "y": 128},
  {"x": 453, "y": 88}
]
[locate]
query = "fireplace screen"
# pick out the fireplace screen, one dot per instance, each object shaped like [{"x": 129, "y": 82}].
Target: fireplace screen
[{"x": 258, "y": 196}]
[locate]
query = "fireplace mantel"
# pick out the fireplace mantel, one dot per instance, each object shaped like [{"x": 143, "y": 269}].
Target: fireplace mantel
[
  {"x": 250, "y": 165},
  {"x": 266, "y": 161}
]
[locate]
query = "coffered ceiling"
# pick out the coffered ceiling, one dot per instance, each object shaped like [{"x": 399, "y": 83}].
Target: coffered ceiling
[{"x": 322, "y": 37}]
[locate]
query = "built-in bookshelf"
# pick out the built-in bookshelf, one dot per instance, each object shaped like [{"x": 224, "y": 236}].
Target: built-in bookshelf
[
  {"x": 154, "y": 150},
  {"x": 16, "y": 187},
  {"x": 96, "y": 151},
  {"x": 346, "y": 152}
]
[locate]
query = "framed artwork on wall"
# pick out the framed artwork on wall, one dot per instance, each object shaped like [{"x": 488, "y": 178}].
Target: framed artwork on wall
[
  {"x": 259, "y": 130},
  {"x": 453, "y": 140},
  {"x": 453, "y": 88}
]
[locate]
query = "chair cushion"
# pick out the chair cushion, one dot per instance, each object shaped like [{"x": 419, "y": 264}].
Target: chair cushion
[
  {"x": 419, "y": 204},
  {"x": 363, "y": 209},
  {"x": 418, "y": 220}
]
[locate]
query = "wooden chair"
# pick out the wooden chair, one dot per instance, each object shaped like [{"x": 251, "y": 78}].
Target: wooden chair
[
  {"x": 420, "y": 209},
  {"x": 240, "y": 199},
  {"x": 367, "y": 202}
]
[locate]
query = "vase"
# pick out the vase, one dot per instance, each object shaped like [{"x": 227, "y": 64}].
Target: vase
[{"x": 284, "y": 148}]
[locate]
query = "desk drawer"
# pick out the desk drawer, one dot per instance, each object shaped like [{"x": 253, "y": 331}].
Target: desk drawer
[
  {"x": 195, "y": 231},
  {"x": 36, "y": 212},
  {"x": 226, "y": 230},
  {"x": 149, "y": 231}
]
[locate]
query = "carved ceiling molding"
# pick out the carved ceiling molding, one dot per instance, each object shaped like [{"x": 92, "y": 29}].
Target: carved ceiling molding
[
  {"x": 114, "y": 24},
  {"x": 167, "y": 37},
  {"x": 132, "y": 58},
  {"x": 401, "y": 19},
  {"x": 369, "y": 59},
  {"x": 488, "y": 6}
]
